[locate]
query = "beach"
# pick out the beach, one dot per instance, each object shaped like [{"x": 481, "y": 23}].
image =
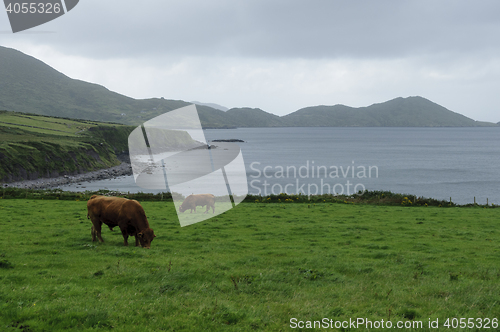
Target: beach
[{"x": 101, "y": 174}]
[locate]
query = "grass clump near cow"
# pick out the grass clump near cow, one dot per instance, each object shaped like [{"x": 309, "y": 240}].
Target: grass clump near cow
[{"x": 252, "y": 268}]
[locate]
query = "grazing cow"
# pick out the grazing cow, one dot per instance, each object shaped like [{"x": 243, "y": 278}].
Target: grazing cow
[
  {"x": 192, "y": 201},
  {"x": 125, "y": 213}
]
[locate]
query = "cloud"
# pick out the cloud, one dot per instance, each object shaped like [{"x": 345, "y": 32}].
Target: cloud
[
  {"x": 279, "y": 28},
  {"x": 281, "y": 55}
]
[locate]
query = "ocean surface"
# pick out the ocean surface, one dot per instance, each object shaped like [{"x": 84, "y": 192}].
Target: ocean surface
[{"x": 461, "y": 163}]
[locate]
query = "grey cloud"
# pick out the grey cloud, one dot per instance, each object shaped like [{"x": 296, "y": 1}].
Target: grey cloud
[
  {"x": 277, "y": 29},
  {"x": 254, "y": 53}
]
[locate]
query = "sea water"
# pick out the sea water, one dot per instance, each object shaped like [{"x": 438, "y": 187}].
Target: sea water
[{"x": 461, "y": 163}]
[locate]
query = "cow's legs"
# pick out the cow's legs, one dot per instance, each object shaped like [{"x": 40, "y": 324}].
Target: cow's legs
[
  {"x": 136, "y": 240},
  {"x": 125, "y": 236},
  {"x": 96, "y": 229}
]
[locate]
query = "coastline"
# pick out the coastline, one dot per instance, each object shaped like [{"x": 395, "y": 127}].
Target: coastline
[{"x": 45, "y": 183}]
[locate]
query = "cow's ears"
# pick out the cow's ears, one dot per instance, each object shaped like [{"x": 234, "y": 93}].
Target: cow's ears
[{"x": 154, "y": 235}]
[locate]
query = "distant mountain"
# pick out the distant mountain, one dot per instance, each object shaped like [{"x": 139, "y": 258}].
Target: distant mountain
[
  {"x": 212, "y": 105},
  {"x": 237, "y": 117},
  {"x": 29, "y": 85},
  {"x": 253, "y": 117},
  {"x": 399, "y": 112}
]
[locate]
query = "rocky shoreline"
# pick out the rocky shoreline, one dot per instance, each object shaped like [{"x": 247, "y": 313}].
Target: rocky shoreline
[{"x": 45, "y": 183}]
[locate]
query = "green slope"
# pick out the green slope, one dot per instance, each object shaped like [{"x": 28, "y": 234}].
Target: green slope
[
  {"x": 33, "y": 146},
  {"x": 399, "y": 112},
  {"x": 29, "y": 85}
]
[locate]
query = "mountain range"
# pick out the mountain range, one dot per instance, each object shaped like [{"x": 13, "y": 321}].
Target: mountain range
[{"x": 28, "y": 85}]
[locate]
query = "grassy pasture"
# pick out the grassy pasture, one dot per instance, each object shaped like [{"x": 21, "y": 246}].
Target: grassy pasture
[
  {"x": 39, "y": 124},
  {"x": 252, "y": 268},
  {"x": 33, "y": 124}
]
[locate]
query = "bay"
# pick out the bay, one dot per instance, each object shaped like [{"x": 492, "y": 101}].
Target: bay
[{"x": 461, "y": 163}]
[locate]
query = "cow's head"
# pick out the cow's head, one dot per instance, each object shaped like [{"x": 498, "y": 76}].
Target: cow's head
[
  {"x": 145, "y": 237},
  {"x": 182, "y": 208}
]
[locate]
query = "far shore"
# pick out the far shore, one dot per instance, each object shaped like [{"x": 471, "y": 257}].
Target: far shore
[{"x": 101, "y": 174}]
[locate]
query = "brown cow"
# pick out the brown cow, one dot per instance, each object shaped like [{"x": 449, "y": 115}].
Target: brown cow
[
  {"x": 192, "y": 201},
  {"x": 125, "y": 213}
]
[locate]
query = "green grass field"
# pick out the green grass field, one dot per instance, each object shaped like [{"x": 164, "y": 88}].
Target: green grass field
[
  {"x": 253, "y": 268},
  {"x": 32, "y": 125}
]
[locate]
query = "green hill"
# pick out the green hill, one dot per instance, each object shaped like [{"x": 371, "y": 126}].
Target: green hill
[
  {"x": 399, "y": 112},
  {"x": 29, "y": 85}
]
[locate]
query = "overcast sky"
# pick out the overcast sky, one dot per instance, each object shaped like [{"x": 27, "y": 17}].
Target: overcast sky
[{"x": 279, "y": 56}]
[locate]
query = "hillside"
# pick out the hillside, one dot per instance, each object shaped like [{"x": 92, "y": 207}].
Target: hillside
[
  {"x": 34, "y": 146},
  {"x": 253, "y": 117},
  {"x": 399, "y": 112},
  {"x": 29, "y": 85}
]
